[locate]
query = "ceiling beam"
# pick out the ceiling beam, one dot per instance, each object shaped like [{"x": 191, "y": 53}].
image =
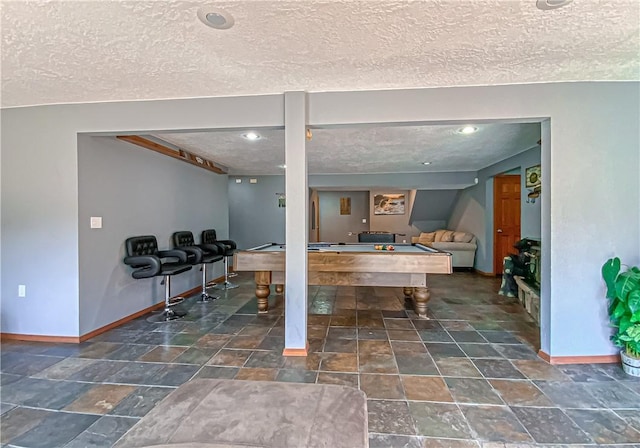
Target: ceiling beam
[{"x": 180, "y": 154}]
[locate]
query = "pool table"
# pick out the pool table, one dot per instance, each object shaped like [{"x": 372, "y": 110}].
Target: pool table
[{"x": 349, "y": 264}]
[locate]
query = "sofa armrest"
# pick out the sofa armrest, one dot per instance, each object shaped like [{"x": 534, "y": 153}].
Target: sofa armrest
[{"x": 414, "y": 239}]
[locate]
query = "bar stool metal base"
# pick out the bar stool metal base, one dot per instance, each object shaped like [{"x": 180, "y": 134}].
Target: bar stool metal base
[
  {"x": 176, "y": 300},
  {"x": 225, "y": 285},
  {"x": 167, "y": 315},
  {"x": 206, "y": 298}
]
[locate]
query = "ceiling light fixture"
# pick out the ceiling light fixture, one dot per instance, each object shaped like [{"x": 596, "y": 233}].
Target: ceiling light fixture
[
  {"x": 468, "y": 130},
  {"x": 426, "y": 163},
  {"x": 282, "y": 166},
  {"x": 551, "y": 4},
  {"x": 215, "y": 17},
  {"x": 251, "y": 135}
]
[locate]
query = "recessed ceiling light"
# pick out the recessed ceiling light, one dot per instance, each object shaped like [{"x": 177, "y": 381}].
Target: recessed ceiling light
[
  {"x": 468, "y": 130},
  {"x": 551, "y": 4},
  {"x": 282, "y": 166},
  {"x": 426, "y": 163},
  {"x": 215, "y": 17},
  {"x": 251, "y": 135}
]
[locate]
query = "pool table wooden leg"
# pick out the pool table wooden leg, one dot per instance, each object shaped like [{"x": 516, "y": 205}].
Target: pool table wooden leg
[
  {"x": 263, "y": 280},
  {"x": 262, "y": 293},
  {"x": 421, "y": 296}
]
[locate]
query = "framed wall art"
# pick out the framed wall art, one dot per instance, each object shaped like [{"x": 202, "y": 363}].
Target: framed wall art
[
  {"x": 345, "y": 206},
  {"x": 388, "y": 204},
  {"x": 532, "y": 175}
]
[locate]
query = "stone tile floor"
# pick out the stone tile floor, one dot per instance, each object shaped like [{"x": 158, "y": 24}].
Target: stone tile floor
[{"x": 467, "y": 377}]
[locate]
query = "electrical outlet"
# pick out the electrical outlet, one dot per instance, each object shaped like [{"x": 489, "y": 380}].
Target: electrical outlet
[
  {"x": 364, "y": 220},
  {"x": 22, "y": 290}
]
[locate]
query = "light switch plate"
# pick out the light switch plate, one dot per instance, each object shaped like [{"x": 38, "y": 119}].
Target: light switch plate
[
  {"x": 96, "y": 222},
  {"x": 364, "y": 220}
]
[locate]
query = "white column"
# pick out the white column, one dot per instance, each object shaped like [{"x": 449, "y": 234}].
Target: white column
[{"x": 297, "y": 195}]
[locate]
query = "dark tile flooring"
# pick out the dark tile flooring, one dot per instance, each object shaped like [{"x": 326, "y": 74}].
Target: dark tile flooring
[{"x": 467, "y": 377}]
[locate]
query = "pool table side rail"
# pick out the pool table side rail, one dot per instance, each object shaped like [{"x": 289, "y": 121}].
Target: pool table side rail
[{"x": 378, "y": 262}]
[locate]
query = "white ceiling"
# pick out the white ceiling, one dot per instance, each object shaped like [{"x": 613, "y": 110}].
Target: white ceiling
[{"x": 89, "y": 51}]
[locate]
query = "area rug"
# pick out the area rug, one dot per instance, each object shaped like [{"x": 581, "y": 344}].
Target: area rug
[{"x": 216, "y": 413}]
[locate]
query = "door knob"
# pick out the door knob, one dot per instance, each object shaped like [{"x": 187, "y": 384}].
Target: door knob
[{"x": 499, "y": 230}]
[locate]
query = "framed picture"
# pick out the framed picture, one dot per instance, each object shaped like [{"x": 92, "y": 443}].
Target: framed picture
[
  {"x": 345, "y": 206},
  {"x": 388, "y": 204},
  {"x": 532, "y": 175}
]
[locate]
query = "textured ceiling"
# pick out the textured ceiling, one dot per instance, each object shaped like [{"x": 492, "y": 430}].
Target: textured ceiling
[
  {"x": 88, "y": 51},
  {"x": 400, "y": 149},
  {"x": 85, "y": 51}
]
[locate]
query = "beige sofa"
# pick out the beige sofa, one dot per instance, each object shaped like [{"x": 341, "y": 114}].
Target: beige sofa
[{"x": 461, "y": 245}]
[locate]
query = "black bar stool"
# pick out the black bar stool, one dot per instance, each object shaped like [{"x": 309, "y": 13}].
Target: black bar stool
[
  {"x": 227, "y": 247},
  {"x": 148, "y": 261},
  {"x": 184, "y": 241}
]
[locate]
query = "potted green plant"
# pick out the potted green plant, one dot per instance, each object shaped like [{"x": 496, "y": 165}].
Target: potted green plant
[{"x": 623, "y": 292}]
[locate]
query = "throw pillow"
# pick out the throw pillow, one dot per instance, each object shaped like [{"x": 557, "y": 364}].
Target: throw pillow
[
  {"x": 439, "y": 234},
  {"x": 447, "y": 236},
  {"x": 462, "y": 237},
  {"x": 426, "y": 238}
]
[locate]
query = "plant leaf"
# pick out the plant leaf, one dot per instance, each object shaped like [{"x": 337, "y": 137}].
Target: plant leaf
[
  {"x": 625, "y": 323},
  {"x": 610, "y": 271},
  {"x": 620, "y": 311},
  {"x": 625, "y": 283},
  {"x": 633, "y": 301},
  {"x": 612, "y": 306}
]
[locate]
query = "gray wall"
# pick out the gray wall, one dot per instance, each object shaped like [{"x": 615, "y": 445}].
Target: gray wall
[
  {"x": 594, "y": 130},
  {"x": 473, "y": 212},
  {"x": 432, "y": 208},
  {"x": 530, "y": 212},
  {"x": 335, "y": 227},
  {"x": 40, "y": 198},
  {"x": 254, "y": 215},
  {"x": 137, "y": 192}
]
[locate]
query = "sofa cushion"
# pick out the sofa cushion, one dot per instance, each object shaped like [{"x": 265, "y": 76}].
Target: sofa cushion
[
  {"x": 447, "y": 236},
  {"x": 462, "y": 237},
  {"x": 427, "y": 238},
  {"x": 439, "y": 234}
]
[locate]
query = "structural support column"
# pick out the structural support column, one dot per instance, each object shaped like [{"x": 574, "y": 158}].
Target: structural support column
[{"x": 297, "y": 197}]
